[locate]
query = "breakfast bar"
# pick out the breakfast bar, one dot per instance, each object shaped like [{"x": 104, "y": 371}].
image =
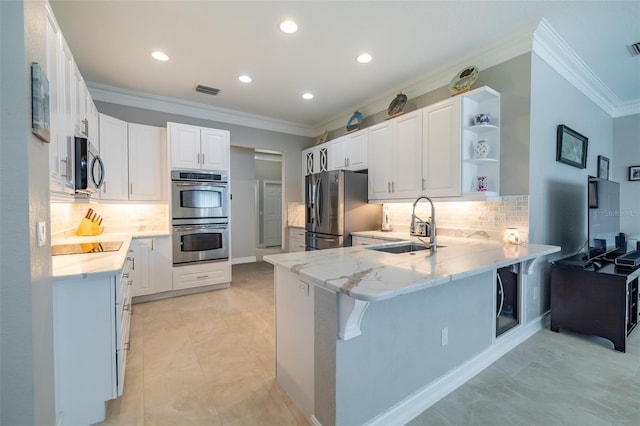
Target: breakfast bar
[{"x": 372, "y": 334}]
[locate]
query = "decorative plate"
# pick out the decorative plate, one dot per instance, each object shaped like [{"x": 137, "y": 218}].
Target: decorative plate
[
  {"x": 397, "y": 104},
  {"x": 354, "y": 122},
  {"x": 463, "y": 80},
  {"x": 322, "y": 138}
]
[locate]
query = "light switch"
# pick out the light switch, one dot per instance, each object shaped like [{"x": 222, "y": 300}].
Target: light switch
[{"x": 41, "y": 233}]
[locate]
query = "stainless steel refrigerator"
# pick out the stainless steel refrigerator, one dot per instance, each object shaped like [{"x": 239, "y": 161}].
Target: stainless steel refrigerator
[{"x": 336, "y": 204}]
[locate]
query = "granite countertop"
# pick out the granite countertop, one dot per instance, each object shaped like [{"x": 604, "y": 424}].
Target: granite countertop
[
  {"x": 104, "y": 262},
  {"x": 371, "y": 275}
]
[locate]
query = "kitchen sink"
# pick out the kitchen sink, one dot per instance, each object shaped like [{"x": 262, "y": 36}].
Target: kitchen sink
[{"x": 400, "y": 248}]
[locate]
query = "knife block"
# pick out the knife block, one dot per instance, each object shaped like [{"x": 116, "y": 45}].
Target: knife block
[{"x": 87, "y": 227}]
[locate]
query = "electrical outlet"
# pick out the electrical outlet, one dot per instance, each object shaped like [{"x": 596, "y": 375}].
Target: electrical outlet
[
  {"x": 41, "y": 233},
  {"x": 445, "y": 336}
]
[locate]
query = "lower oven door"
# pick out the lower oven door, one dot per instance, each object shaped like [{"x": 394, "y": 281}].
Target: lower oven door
[{"x": 195, "y": 243}]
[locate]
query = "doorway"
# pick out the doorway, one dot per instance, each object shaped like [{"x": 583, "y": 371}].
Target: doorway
[{"x": 268, "y": 187}]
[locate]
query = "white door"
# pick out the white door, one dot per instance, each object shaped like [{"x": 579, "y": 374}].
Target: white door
[
  {"x": 115, "y": 156},
  {"x": 272, "y": 214},
  {"x": 184, "y": 146},
  {"x": 380, "y": 161},
  {"x": 214, "y": 149}
]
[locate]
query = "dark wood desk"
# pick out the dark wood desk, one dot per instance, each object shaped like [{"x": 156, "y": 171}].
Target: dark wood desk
[{"x": 602, "y": 302}]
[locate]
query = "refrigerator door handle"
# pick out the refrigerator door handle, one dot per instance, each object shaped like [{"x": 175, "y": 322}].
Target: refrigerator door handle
[{"x": 319, "y": 201}]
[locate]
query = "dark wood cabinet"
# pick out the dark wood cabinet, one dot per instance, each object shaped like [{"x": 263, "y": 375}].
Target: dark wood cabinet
[{"x": 601, "y": 302}]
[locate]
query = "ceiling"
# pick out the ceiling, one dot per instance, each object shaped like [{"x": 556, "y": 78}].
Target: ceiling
[{"x": 213, "y": 42}]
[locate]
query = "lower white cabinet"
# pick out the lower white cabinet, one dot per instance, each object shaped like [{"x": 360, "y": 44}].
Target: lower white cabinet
[
  {"x": 295, "y": 338},
  {"x": 91, "y": 317},
  {"x": 202, "y": 274},
  {"x": 152, "y": 265},
  {"x": 368, "y": 241},
  {"x": 296, "y": 239}
]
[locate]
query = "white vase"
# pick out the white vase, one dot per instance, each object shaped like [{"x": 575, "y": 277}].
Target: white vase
[{"x": 481, "y": 149}]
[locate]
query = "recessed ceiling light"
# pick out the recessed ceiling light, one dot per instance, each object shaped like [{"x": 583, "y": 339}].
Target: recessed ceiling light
[
  {"x": 160, "y": 56},
  {"x": 307, "y": 95},
  {"x": 288, "y": 26},
  {"x": 364, "y": 58},
  {"x": 245, "y": 78}
]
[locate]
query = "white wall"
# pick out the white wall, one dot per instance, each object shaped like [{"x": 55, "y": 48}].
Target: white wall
[
  {"x": 626, "y": 152},
  {"x": 26, "y": 333}
]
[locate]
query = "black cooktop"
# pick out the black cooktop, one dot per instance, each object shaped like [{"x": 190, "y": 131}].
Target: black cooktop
[{"x": 81, "y": 248}]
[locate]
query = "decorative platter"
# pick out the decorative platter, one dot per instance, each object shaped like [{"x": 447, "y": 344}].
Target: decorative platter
[
  {"x": 354, "y": 122},
  {"x": 463, "y": 80},
  {"x": 397, "y": 104}
]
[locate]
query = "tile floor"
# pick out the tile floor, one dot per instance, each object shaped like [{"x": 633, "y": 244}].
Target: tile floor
[{"x": 208, "y": 359}]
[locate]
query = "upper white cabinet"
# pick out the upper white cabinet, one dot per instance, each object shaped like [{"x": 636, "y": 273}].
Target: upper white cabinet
[
  {"x": 315, "y": 159},
  {"x": 193, "y": 147},
  {"x": 441, "y": 148},
  {"x": 134, "y": 157},
  {"x": 147, "y": 162},
  {"x": 349, "y": 152},
  {"x": 475, "y": 164},
  {"x": 113, "y": 150},
  {"x": 395, "y": 158}
]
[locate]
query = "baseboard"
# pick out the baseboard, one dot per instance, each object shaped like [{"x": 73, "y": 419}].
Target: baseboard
[
  {"x": 314, "y": 421},
  {"x": 176, "y": 293},
  {"x": 239, "y": 260},
  {"x": 409, "y": 408}
]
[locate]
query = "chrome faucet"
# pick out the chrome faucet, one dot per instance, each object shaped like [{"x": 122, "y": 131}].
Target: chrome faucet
[{"x": 429, "y": 227}]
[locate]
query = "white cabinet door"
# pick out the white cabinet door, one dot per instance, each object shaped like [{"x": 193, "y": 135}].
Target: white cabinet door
[
  {"x": 67, "y": 94},
  {"x": 406, "y": 179},
  {"x": 441, "y": 159},
  {"x": 357, "y": 144},
  {"x": 338, "y": 153},
  {"x": 184, "y": 146},
  {"x": 56, "y": 106},
  {"x": 114, "y": 153},
  {"x": 152, "y": 265},
  {"x": 147, "y": 165},
  {"x": 214, "y": 149},
  {"x": 380, "y": 163}
]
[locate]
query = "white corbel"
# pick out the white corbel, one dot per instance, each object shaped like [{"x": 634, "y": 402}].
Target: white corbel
[{"x": 350, "y": 313}]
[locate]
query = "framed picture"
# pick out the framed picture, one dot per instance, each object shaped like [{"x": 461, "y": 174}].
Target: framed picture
[
  {"x": 40, "y": 125},
  {"x": 603, "y": 167},
  {"x": 571, "y": 147},
  {"x": 634, "y": 173}
]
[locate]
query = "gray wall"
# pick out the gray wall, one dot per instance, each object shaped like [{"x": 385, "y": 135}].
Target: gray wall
[
  {"x": 26, "y": 333},
  {"x": 557, "y": 193},
  {"x": 266, "y": 170},
  {"x": 243, "y": 205},
  {"x": 626, "y": 152}
]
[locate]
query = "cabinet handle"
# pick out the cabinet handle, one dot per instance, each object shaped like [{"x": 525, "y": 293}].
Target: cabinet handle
[
  {"x": 127, "y": 346},
  {"x": 388, "y": 186},
  {"x": 393, "y": 186},
  {"x": 125, "y": 275},
  {"x": 202, "y": 276},
  {"x": 126, "y": 307},
  {"x": 152, "y": 243},
  {"x": 130, "y": 282},
  {"x": 133, "y": 262},
  {"x": 85, "y": 122},
  {"x": 198, "y": 155},
  {"x": 424, "y": 184},
  {"x": 131, "y": 189},
  {"x": 203, "y": 158},
  {"x": 65, "y": 168}
]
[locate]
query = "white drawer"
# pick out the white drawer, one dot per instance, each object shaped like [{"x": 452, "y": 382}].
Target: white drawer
[{"x": 199, "y": 275}]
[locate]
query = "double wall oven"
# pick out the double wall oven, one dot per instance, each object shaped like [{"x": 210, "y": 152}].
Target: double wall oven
[{"x": 200, "y": 216}]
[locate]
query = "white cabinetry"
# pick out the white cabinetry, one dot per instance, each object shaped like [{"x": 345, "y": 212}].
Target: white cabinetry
[
  {"x": 202, "y": 274},
  {"x": 135, "y": 161},
  {"x": 152, "y": 265},
  {"x": 193, "y": 147},
  {"x": 113, "y": 150},
  {"x": 395, "y": 158},
  {"x": 315, "y": 159},
  {"x": 91, "y": 316},
  {"x": 483, "y": 100},
  {"x": 357, "y": 240},
  {"x": 441, "y": 148},
  {"x": 147, "y": 162},
  {"x": 296, "y": 239},
  {"x": 349, "y": 152},
  {"x": 295, "y": 338}
]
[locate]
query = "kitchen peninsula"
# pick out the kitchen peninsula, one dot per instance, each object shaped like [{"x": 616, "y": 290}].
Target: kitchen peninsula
[{"x": 371, "y": 337}]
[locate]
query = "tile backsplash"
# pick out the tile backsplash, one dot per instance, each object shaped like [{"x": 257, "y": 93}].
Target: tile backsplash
[
  {"x": 468, "y": 219},
  {"x": 295, "y": 214},
  {"x": 65, "y": 217}
]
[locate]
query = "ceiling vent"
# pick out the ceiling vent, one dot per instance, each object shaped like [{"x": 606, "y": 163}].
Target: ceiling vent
[
  {"x": 208, "y": 90},
  {"x": 635, "y": 49}
]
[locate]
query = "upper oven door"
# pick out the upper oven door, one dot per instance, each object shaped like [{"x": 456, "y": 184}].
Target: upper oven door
[{"x": 199, "y": 200}]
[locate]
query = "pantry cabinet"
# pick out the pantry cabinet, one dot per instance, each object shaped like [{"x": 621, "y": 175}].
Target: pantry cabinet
[
  {"x": 441, "y": 148},
  {"x": 349, "y": 152},
  {"x": 152, "y": 265},
  {"x": 135, "y": 161},
  {"x": 395, "y": 158},
  {"x": 192, "y": 147}
]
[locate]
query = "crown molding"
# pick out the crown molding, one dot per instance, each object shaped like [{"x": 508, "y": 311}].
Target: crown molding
[
  {"x": 553, "y": 50},
  {"x": 116, "y": 95}
]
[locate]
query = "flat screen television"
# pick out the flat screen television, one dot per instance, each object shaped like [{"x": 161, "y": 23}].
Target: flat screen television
[{"x": 603, "y": 217}]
